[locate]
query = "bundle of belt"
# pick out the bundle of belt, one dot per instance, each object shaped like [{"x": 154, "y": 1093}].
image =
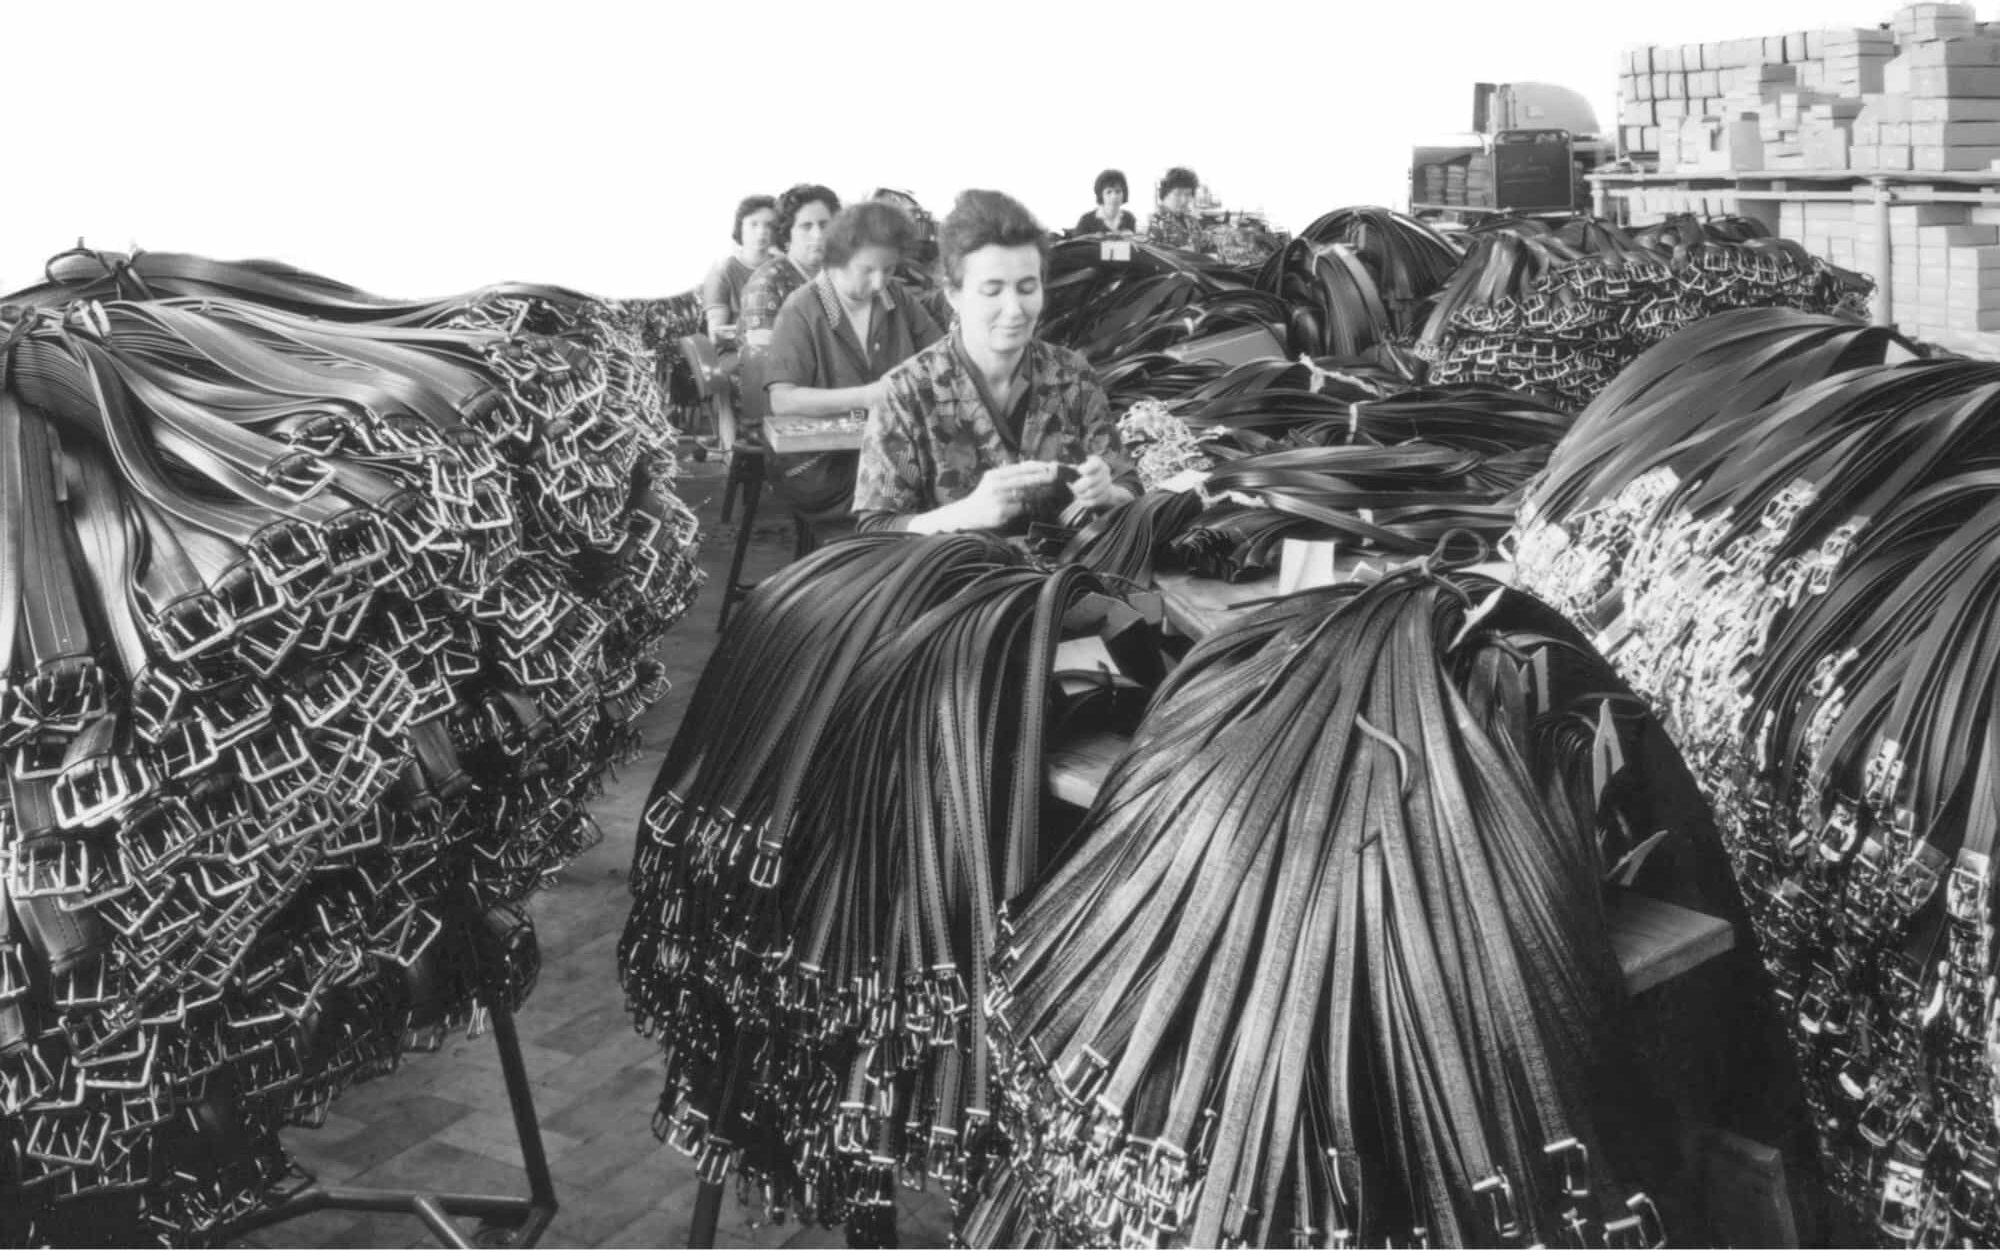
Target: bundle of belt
[
  {"x": 1120, "y": 309},
  {"x": 1805, "y": 591},
  {"x": 1335, "y": 455},
  {"x": 322, "y": 627},
  {"x": 1406, "y": 261},
  {"x": 858, "y": 784},
  {"x": 1563, "y": 311},
  {"x": 1328, "y": 964}
]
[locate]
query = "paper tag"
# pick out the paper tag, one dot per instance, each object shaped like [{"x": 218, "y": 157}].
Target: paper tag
[
  {"x": 1186, "y": 479},
  {"x": 1115, "y": 249}
]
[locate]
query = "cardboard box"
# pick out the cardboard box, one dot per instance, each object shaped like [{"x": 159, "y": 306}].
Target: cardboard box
[
  {"x": 1955, "y": 239},
  {"x": 1955, "y": 134},
  {"x": 1973, "y": 51},
  {"x": 1718, "y": 146},
  {"x": 1894, "y": 134},
  {"x": 1976, "y": 260},
  {"x": 1827, "y": 149},
  {"x": 1913, "y": 216},
  {"x": 1891, "y": 158},
  {"x": 1950, "y": 159},
  {"x": 1795, "y": 46},
  {"x": 1981, "y": 81},
  {"x": 1974, "y": 322}
]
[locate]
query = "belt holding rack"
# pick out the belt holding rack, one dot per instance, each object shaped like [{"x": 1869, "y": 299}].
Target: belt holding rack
[
  {"x": 1324, "y": 952},
  {"x": 820, "y": 860},
  {"x": 1802, "y": 582},
  {"x": 321, "y": 616}
]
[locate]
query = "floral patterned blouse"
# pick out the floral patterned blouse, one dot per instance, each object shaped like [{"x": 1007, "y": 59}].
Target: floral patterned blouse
[{"x": 938, "y": 433}]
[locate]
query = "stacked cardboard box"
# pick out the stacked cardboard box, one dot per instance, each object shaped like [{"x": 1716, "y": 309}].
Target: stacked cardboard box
[
  {"x": 1800, "y": 89},
  {"x": 1944, "y": 259}
]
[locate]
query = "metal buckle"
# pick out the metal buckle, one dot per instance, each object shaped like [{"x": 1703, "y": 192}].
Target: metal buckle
[
  {"x": 62, "y": 695},
  {"x": 98, "y": 787},
  {"x": 48, "y": 867},
  {"x": 235, "y": 712},
  {"x": 296, "y": 476},
  {"x": 292, "y": 554},
  {"x": 266, "y": 643},
  {"x": 246, "y": 594},
  {"x": 188, "y": 626}
]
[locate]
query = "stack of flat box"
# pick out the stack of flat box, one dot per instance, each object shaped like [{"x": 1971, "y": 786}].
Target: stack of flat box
[
  {"x": 1799, "y": 91},
  {"x": 1944, "y": 259},
  {"x": 1479, "y": 181}
]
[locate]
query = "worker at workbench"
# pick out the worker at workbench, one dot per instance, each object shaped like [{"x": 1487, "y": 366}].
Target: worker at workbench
[
  {"x": 1174, "y": 222},
  {"x": 1110, "y": 216},
  {"x": 974, "y": 432},
  {"x": 836, "y": 338}
]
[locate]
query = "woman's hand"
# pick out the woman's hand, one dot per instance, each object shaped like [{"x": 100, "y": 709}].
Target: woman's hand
[
  {"x": 875, "y": 394},
  {"x": 1093, "y": 488},
  {"x": 1002, "y": 494}
]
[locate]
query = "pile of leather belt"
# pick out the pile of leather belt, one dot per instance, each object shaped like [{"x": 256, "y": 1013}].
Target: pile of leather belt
[
  {"x": 1329, "y": 962},
  {"x": 1137, "y": 308},
  {"x": 1798, "y": 572},
  {"x": 1358, "y": 277},
  {"x": 1295, "y": 450},
  {"x": 658, "y": 325},
  {"x": 857, "y": 785},
  {"x": 324, "y": 615},
  {"x": 1528, "y": 310}
]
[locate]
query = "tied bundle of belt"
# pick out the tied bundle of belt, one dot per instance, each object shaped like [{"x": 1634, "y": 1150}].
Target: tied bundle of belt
[
  {"x": 1328, "y": 964},
  {"x": 1562, "y": 312},
  {"x": 319, "y": 631},
  {"x": 858, "y": 784},
  {"x": 658, "y": 326},
  {"x": 1805, "y": 590}
]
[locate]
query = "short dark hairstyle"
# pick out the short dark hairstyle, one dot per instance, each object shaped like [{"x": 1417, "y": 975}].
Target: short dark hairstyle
[
  {"x": 984, "y": 219},
  {"x": 871, "y": 223},
  {"x": 1178, "y": 177},
  {"x": 797, "y": 198},
  {"x": 1110, "y": 178},
  {"x": 749, "y": 204}
]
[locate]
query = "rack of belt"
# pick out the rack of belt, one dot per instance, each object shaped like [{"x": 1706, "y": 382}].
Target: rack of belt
[
  {"x": 1798, "y": 571},
  {"x": 324, "y": 616},
  {"x": 1562, "y": 311},
  {"x": 1328, "y": 960},
  {"x": 858, "y": 784}
]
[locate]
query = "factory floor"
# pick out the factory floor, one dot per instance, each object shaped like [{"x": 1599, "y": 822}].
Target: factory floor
[{"x": 442, "y": 1121}]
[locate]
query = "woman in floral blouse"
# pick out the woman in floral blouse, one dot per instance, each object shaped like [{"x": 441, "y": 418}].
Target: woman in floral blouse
[
  {"x": 1174, "y": 222},
  {"x": 973, "y": 431}
]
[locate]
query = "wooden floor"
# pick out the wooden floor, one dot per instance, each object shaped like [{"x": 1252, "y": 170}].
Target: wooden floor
[{"x": 442, "y": 1120}]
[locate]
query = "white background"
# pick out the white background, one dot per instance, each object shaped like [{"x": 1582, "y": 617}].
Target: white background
[{"x": 421, "y": 149}]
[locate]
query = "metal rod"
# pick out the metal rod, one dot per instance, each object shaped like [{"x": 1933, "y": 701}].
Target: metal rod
[
  {"x": 432, "y": 1214},
  {"x": 1885, "y": 300}
]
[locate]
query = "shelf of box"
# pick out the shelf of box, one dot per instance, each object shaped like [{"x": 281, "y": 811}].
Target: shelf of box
[
  {"x": 1883, "y": 188},
  {"x": 1654, "y": 941}
]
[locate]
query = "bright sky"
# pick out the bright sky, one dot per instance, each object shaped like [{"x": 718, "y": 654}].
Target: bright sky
[{"x": 421, "y": 148}]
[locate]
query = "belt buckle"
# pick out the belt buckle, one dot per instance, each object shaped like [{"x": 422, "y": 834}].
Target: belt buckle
[
  {"x": 235, "y": 712},
  {"x": 97, "y": 787},
  {"x": 188, "y": 626},
  {"x": 296, "y": 476},
  {"x": 1641, "y": 1229},
  {"x": 324, "y": 691},
  {"x": 156, "y": 702},
  {"x": 49, "y": 867},
  {"x": 292, "y": 555},
  {"x": 358, "y": 545},
  {"x": 62, "y": 695}
]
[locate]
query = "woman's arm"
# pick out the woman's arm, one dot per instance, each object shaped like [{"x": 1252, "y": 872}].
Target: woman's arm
[
  {"x": 716, "y": 303},
  {"x": 793, "y": 367},
  {"x": 789, "y": 399}
]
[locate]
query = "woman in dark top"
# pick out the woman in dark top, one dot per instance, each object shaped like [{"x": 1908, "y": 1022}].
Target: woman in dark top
[
  {"x": 835, "y": 339},
  {"x": 1110, "y": 216},
  {"x": 722, "y": 289}
]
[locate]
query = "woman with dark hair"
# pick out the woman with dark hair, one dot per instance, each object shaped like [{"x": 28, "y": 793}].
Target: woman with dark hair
[
  {"x": 804, "y": 212},
  {"x": 1174, "y": 222},
  {"x": 973, "y": 432},
  {"x": 836, "y": 337},
  {"x": 1110, "y": 216},
  {"x": 722, "y": 289}
]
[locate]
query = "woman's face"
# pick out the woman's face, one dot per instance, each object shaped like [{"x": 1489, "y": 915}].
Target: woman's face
[
  {"x": 999, "y": 297},
  {"x": 865, "y": 273},
  {"x": 1180, "y": 199},
  {"x": 1112, "y": 200},
  {"x": 759, "y": 228},
  {"x": 808, "y": 242}
]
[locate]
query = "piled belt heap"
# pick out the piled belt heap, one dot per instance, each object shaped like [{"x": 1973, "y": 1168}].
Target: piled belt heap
[
  {"x": 322, "y": 628},
  {"x": 1358, "y": 279},
  {"x": 1307, "y": 450},
  {"x": 858, "y": 785},
  {"x": 1329, "y": 962},
  {"x": 1798, "y": 570},
  {"x": 1528, "y": 310}
]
